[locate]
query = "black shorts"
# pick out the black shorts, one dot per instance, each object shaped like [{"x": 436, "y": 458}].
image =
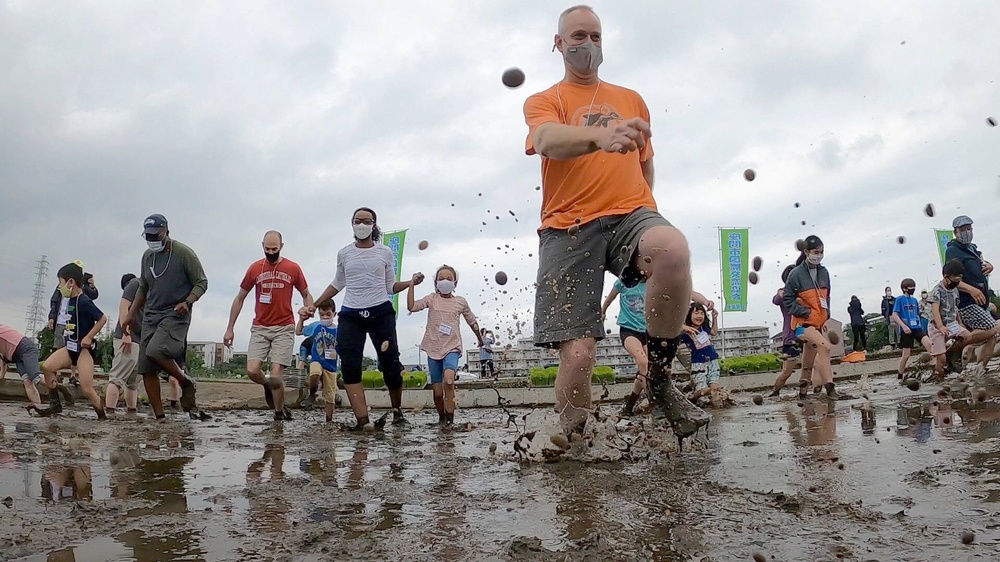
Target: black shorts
[
  {"x": 74, "y": 356},
  {"x": 790, "y": 350},
  {"x": 915, "y": 335},
  {"x": 625, "y": 333},
  {"x": 379, "y": 324}
]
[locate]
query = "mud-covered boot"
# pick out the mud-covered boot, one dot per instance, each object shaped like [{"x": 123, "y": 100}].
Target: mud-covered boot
[
  {"x": 831, "y": 391},
  {"x": 628, "y": 410},
  {"x": 667, "y": 400},
  {"x": 803, "y": 390},
  {"x": 188, "y": 390}
]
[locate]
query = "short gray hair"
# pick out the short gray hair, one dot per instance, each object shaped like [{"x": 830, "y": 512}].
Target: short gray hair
[{"x": 570, "y": 10}]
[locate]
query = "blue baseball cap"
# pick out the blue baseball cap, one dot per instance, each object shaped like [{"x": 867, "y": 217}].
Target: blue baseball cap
[{"x": 153, "y": 224}]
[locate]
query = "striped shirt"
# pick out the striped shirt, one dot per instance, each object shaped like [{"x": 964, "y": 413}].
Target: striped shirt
[{"x": 444, "y": 332}]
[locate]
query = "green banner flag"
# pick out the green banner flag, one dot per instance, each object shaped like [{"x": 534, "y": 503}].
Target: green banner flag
[
  {"x": 735, "y": 258},
  {"x": 943, "y": 236},
  {"x": 395, "y": 240}
]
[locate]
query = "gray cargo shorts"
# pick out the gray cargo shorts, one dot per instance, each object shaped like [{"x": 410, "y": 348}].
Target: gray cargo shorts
[
  {"x": 571, "y": 268},
  {"x": 164, "y": 337}
]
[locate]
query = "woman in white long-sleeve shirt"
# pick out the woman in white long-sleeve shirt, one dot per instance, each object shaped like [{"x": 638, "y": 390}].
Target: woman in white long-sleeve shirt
[{"x": 366, "y": 273}]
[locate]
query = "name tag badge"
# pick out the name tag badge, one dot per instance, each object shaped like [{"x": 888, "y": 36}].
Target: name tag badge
[
  {"x": 72, "y": 346},
  {"x": 330, "y": 354},
  {"x": 954, "y": 328},
  {"x": 265, "y": 298},
  {"x": 702, "y": 340},
  {"x": 445, "y": 329},
  {"x": 822, "y": 303}
]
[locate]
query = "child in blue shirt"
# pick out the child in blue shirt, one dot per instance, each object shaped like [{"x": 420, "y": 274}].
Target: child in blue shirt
[
  {"x": 323, "y": 356},
  {"x": 906, "y": 314},
  {"x": 697, "y": 334}
]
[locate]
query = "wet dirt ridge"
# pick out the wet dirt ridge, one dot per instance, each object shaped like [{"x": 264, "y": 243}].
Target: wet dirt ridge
[{"x": 900, "y": 480}]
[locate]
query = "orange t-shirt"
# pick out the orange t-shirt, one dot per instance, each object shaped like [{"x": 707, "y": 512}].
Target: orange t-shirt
[
  {"x": 593, "y": 185},
  {"x": 273, "y": 294}
]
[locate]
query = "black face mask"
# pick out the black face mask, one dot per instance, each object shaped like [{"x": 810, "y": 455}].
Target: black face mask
[
  {"x": 909, "y": 291},
  {"x": 272, "y": 258}
]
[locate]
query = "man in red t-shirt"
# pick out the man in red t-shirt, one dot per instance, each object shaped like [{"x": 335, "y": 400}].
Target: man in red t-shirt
[{"x": 273, "y": 331}]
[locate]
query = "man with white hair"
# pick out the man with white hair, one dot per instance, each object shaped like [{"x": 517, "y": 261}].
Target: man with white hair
[{"x": 598, "y": 214}]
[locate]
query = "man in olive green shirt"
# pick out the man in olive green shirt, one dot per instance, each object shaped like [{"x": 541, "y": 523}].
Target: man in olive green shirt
[{"x": 171, "y": 280}]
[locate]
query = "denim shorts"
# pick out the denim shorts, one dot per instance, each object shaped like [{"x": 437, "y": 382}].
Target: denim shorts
[{"x": 437, "y": 367}]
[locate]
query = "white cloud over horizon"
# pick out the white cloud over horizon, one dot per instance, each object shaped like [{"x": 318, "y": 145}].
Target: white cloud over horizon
[{"x": 289, "y": 116}]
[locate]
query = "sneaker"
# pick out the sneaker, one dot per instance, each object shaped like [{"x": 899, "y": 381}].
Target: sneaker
[
  {"x": 628, "y": 410},
  {"x": 188, "y": 389},
  {"x": 449, "y": 419},
  {"x": 278, "y": 416},
  {"x": 398, "y": 419},
  {"x": 286, "y": 414},
  {"x": 380, "y": 423},
  {"x": 308, "y": 403},
  {"x": 774, "y": 393},
  {"x": 669, "y": 403}
]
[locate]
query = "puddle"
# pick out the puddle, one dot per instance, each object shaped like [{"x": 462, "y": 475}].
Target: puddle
[{"x": 897, "y": 479}]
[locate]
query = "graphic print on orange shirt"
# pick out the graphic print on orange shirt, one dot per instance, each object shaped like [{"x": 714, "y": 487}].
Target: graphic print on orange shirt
[{"x": 597, "y": 184}]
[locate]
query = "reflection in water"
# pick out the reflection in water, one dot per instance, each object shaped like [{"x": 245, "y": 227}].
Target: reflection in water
[
  {"x": 62, "y": 555},
  {"x": 160, "y": 482},
  {"x": 448, "y": 517},
  {"x": 268, "y": 508},
  {"x": 67, "y": 482}
]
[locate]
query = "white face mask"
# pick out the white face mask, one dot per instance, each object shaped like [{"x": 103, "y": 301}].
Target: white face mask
[
  {"x": 362, "y": 231},
  {"x": 157, "y": 246},
  {"x": 326, "y": 322},
  {"x": 445, "y": 286},
  {"x": 814, "y": 259}
]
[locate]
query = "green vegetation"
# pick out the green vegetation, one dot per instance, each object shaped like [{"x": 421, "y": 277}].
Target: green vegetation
[
  {"x": 547, "y": 376},
  {"x": 411, "y": 379},
  {"x": 762, "y": 363}
]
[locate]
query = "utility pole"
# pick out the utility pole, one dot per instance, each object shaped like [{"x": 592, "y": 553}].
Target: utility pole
[{"x": 37, "y": 314}]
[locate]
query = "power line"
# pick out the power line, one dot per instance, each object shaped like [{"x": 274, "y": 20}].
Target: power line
[{"x": 36, "y": 315}]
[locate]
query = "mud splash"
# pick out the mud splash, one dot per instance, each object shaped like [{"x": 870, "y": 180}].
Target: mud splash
[{"x": 900, "y": 476}]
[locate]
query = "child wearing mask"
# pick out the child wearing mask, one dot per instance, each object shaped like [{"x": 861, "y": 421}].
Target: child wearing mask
[
  {"x": 322, "y": 338},
  {"x": 906, "y": 314},
  {"x": 945, "y": 323},
  {"x": 807, "y": 298},
  {"x": 443, "y": 336},
  {"x": 84, "y": 322}
]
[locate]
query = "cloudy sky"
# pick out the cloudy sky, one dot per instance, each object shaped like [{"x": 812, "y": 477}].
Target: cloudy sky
[{"x": 232, "y": 119}]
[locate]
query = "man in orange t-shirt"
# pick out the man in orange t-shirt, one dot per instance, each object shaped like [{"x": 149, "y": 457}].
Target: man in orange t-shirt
[
  {"x": 273, "y": 330},
  {"x": 598, "y": 214}
]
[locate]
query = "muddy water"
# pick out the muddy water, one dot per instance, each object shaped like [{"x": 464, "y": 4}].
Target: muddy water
[{"x": 810, "y": 482}]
